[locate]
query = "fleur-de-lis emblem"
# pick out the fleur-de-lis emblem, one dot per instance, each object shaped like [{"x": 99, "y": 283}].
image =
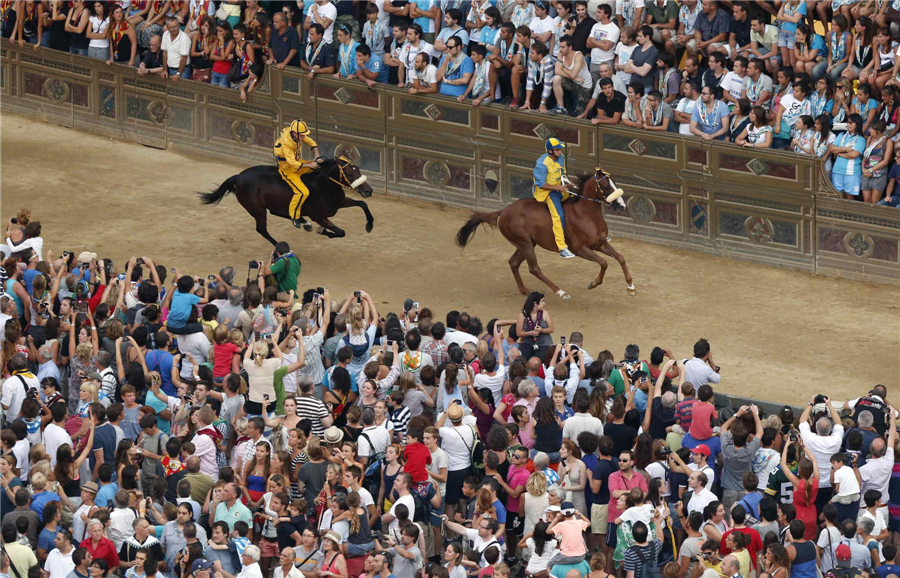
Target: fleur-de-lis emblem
[
  {"x": 57, "y": 89},
  {"x": 858, "y": 244},
  {"x": 243, "y": 132}
]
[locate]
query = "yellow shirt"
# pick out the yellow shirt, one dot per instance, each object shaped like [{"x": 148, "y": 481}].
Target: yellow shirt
[{"x": 287, "y": 150}]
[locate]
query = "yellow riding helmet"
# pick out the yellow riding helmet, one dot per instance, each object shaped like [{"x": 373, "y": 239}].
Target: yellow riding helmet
[{"x": 300, "y": 127}]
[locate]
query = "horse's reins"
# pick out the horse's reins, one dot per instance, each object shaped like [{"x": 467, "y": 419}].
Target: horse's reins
[
  {"x": 613, "y": 196},
  {"x": 354, "y": 185}
]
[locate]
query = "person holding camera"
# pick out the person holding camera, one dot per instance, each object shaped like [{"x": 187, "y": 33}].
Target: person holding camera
[
  {"x": 806, "y": 486},
  {"x": 823, "y": 443},
  {"x": 284, "y": 266}
]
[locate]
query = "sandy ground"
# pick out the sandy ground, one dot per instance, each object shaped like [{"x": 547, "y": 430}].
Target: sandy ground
[{"x": 778, "y": 335}]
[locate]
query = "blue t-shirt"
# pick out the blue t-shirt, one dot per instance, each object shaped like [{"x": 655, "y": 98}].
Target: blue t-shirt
[
  {"x": 105, "y": 495},
  {"x": 887, "y": 569},
  {"x": 590, "y": 462},
  {"x": 466, "y": 66},
  {"x": 41, "y": 499},
  {"x": 347, "y": 58},
  {"x": 640, "y": 400},
  {"x": 710, "y": 122},
  {"x": 376, "y": 64},
  {"x": 45, "y": 539},
  {"x": 180, "y": 310},
  {"x": 818, "y": 43},
  {"x": 152, "y": 401},
  {"x": 161, "y": 361},
  {"x": 29, "y": 276},
  {"x": 501, "y": 512},
  {"x": 751, "y": 503},
  {"x": 326, "y": 381},
  {"x": 447, "y": 33},
  {"x": 844, "y": 166},
  {"x": 895, "y": 172},
  {"x": 105, "y": 439},
  {"x": 792, "y": 26},
  {"x": 425, "y": 22}
]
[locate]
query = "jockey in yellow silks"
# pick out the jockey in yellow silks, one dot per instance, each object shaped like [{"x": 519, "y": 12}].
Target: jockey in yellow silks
[
  {"x": 291, "y": 166},
  {"x": 551, "y": 187}
]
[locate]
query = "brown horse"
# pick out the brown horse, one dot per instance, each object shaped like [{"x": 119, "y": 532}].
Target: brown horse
[{"x": 526, "y": 223}]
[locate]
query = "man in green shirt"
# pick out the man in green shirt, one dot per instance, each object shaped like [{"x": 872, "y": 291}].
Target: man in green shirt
[
  {"x": 631, "y": 363},
  {"x": 285, "y": 266}
]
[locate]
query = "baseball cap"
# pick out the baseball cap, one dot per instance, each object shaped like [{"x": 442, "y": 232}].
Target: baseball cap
[
  {"x": 95, "y": 376},
  {"x": 842, "y": 553},
  {"x": 201, "y": 564},
  {"x": 567, "y": 508},
  {"x": 702, "y": 449}
]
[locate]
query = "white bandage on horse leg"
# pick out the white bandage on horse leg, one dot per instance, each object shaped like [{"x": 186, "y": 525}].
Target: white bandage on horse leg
[
  {"x": 560, "y": 292},
  {"x": 355, "y": 184},
  {"x": 615, "y": 195}
]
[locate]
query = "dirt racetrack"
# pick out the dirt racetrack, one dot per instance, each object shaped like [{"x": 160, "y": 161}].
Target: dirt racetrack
[{"x": 778, "y": 335}]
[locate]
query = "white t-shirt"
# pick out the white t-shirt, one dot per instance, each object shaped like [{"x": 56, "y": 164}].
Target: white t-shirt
[
  {"x": 378, "y": 436},
  {"x": 20, "y": 451},
  {"x": 659, "y": 471},
  {"x": 429, "y": 76},
  {"x": 492, "y": 382},
  {"x": 700, "y": 500},
  {"x": 176, "y": 49},
  {"x": 601, "y": 32},
  {"x": 329, "y": 11},
  {"x": 733, "y": 84},
  {"x": 623, "y": 55},
  {"x": 58, "y": 564},
  {"x": 539, "y": 26},
  {"x": 709, "y": 471},
  {"x": 845, "y": 478},
  {"x": 457, "y": 442},
  {"x": 480, "y": 545},
  {"x": 876, "y": 475},
  {"x": 439, "y": 460},
  {"x": 686, "y": 106},
  {"x": 822, "y": 448},
  {"x": 54, "y": 437},
  {"x": 539, "y": 562},
  {"x": 365, "y": 498},
  {"x": 642, "y": 513},
  {"x": 410, "y": 503},
  {"x": 13, "y": 395}
]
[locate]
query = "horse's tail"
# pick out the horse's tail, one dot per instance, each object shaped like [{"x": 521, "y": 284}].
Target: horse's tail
[
  {"x": 216, "y": 196},
  {"x": 468, "y": 230}
]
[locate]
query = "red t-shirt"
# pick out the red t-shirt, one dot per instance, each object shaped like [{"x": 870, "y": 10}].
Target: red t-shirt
[
  {"x": 753, "y": 548},
  {"x": 222, "y": 355},
  {"x": 417, "y": 459},
  {"x": 702, "y": 414}
]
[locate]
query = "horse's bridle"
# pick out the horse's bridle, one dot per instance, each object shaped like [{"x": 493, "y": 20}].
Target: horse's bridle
[
  {"x": 344, "y": 162},
  {"x": 600, "y": 174}
]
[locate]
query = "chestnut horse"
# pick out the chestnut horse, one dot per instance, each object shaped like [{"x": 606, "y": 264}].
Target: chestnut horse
[{"x": 526, "y": 223}]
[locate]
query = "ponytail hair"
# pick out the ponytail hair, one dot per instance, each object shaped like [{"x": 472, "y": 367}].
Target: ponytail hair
[
  {"x": 260, "y": 352},
  {"x": 451, "y": 376},
  {"x": 353, "y": 502}
]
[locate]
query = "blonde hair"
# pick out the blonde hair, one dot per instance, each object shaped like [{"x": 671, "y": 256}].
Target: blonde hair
[
  {"x": 92, "y": 389},
  {"x": 42, "y": 468},
  {"x": 484, "y": 504},
  {"x": 37, "y": 453},
  {"x": 84, "y": 351},
  {"x": 113, "y": 296},
  {"x": 481, "y": 349},
  {"x": 240, "y": 425},
  {"x": 11, "y": 460},
  {"x": 260, "y": 352},
  {"x": 355, "y": 317},
  {"x": 237, "y": 337},
  {"x": 407, "y": 381},
  {"x": 353, "y": 502},
  {"x": 220, "y": 334},
  {"x": 536, "y": 484}
]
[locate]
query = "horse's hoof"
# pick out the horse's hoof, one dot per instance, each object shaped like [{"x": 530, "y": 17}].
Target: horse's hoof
[
  {"x": 307, "y": 227},
  {"x": 369, "y": 227},
  {"x": 593, "y": 285},
  {"x": 320, "y": 230},
  {"x": 631, "y": 290},
  {"x": 563, "y": 295}
]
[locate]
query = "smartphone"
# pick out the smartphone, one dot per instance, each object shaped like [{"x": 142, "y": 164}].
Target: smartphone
[
  {"x": 201, "y": 282},
  {"x": 266, "y": 396},
  {"x": 416, "y": 305},
  {"x": 172, "y": 270},
  {"x": 121, "y": 276},
  {"x": 211, "y": 277},
  {"x": 139, "y": 261},
  {"x": 562, "y": 340}
]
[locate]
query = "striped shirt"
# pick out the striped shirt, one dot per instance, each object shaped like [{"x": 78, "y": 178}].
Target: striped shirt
[
  {"x": 541, "y": 73},
  {"x": 314, "y": 410},
  {"x": 313, "y": 368},
  {"x": 400, "y": 418}
]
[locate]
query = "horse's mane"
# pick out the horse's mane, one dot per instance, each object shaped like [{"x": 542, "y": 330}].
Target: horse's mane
[{"x": 327, "y": 162}]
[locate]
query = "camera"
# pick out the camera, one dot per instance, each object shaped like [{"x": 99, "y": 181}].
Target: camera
[
  {"x": 665, "y": 451},
  {"x": 14, "y": 221},
  {"x": 139, "y": 261},
  {"x": 253, "y": 265},
  {"x": 172, "y": 270},
  {"x": 793, "y": 435},
  {"x": 201, "y": 282},
  {"x": 376, "y": 535},
  {"x": 320, "y": 290},
  {"x": 819, "y": 399},
  {"x": 211, "y": 277},
  {"x": 562, "y": 340}
]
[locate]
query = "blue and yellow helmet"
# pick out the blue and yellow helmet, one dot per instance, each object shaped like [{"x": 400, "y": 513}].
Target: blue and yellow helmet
[{"x": 554, "y": 143}]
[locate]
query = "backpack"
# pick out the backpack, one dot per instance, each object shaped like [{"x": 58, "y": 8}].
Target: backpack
[
  {"x": 422, "y": 509},
  {"x": 372, "y": 475},
  {"x": 476, "y": 452},
  {"x": 264, "y": 322},
  {"x": 649, "y": 567},
  {"x": 360, "y": 351}
]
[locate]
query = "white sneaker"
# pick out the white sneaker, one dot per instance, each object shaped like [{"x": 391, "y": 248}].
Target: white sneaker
[{"x": 566, "y": 254}]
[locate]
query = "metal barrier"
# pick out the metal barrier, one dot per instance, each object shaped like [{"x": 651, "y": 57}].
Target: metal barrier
[{"x": 771, "y": 207}]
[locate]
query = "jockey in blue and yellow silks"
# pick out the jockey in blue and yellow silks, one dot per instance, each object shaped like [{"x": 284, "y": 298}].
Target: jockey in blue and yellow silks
[
  {"x": 550, "y": 187},
  {"x": 291, "y": 166}
]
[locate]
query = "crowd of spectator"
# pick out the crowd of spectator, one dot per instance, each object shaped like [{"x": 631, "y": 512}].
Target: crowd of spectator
[
  {"x": 815, "y": 77},
  {"x": 155, "y": 423}
]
